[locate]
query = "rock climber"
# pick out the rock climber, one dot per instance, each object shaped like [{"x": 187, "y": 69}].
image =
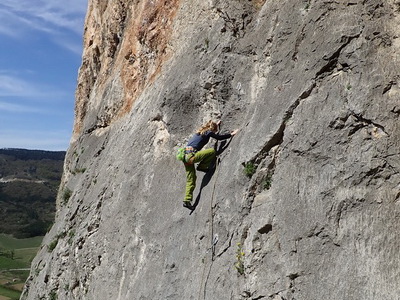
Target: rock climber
[{"x": 204, "y": 158}]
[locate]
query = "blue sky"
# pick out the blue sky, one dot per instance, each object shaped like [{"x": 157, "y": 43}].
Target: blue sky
[{"x": 40, "y": 54}]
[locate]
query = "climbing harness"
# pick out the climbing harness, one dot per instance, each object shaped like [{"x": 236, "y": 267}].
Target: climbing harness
[
  {"x": 189, "y": 154},
  {"x": 185, "y": 154}
]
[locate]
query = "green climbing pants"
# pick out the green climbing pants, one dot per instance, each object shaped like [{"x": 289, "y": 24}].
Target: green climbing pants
[{"x": 204, "y": 158}]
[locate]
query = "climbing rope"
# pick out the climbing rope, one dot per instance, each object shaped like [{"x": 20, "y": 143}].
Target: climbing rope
[{"x": 214, "y": 238}]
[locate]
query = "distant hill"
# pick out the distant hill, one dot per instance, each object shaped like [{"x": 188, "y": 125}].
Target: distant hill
[{"x": 29, "y": 181}]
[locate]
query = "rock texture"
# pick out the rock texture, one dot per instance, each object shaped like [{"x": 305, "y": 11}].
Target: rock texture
[{"x": 313, "y": 86}]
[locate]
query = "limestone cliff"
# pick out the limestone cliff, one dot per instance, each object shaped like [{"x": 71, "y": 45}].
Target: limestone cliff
[{"x": 313, "y": 87}]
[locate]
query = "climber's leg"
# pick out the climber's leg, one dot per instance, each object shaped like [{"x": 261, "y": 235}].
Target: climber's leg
[
  {"x": 204, "y": 158},
  {"x": 190, "y": 182}
]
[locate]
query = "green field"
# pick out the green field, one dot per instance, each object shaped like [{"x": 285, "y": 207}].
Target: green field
[
  {"x": 15, "y": 258},
  {"x": 8, "y": 242},
  {"x": 9, "y": 293}
]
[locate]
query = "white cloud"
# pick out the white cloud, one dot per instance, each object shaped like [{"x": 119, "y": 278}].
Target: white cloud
[
  {"x": 72, "y": 45},
  {"x": 54, "y": 17},
  {"x": 13, "y": 86},
  {"x": 18, "y": 108},
  {"x": 43, "y": 140}
]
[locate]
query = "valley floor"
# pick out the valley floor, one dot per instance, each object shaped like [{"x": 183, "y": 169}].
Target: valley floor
[{"x": 15, "y": 259}]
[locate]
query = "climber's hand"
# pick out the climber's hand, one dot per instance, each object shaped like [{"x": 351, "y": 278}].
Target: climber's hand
[{"x": 234, "y": 132}]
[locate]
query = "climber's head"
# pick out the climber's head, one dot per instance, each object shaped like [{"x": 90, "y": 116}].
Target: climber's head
[{"x": 209, "y": 126}]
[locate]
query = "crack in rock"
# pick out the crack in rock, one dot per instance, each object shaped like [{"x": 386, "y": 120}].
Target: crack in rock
[
  {"x": 388, "y": 87},
  {"x": 365, "y": 122},
  {"x": 226, "y": 248},
  {"x": 277, "y": 137},
  {"x": 357, "y": 123},
  {"x": 333, "y": 59},
  {"x": 275, "y": 141}
]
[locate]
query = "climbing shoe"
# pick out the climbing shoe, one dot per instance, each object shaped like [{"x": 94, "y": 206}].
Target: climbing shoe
[
  {"x": 188, "y": 205},
  {"x": 202, "y": 170}
]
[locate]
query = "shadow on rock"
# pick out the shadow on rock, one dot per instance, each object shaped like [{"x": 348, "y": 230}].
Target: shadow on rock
[{"x": 211, "y": 171}]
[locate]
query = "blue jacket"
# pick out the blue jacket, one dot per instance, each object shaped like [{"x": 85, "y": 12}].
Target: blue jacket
[{"x": 198, "y": 141}]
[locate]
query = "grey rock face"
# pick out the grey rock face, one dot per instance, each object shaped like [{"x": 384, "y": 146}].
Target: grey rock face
[{"x": 313, "y": 87}]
